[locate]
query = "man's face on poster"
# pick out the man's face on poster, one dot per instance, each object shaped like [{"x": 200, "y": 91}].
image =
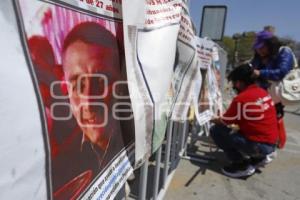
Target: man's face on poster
[{"x": 91, "y": 70}]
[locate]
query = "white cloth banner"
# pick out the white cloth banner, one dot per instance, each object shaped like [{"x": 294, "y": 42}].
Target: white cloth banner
[
  {"x": 210, "y": 101},
  {"x": 151, "y": 30},
  {"x": 186, "y": 72},
  {"x": 23, "y": 152}
]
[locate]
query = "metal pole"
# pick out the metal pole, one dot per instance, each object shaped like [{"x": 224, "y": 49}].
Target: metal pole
[
  {"x": 157, "y": 173},
  {"x": 183, "y": 153},
  {"x": 184, "y": 132},
  {"x": 174, "y": 142},
  {"x": 236, "y": 38},
  {"x": 143, "y": 181},
  {"x": 235, "y": 52},
  {"x": 167, "y": 154}
]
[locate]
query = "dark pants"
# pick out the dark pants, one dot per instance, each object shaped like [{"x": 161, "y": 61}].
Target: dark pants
[{"x": 236, "y": 146}]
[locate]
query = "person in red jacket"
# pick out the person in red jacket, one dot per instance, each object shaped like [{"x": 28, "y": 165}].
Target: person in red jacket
[{"x": 253, "y": 111}]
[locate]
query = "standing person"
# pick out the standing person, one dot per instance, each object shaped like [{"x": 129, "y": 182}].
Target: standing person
[
  {"x": 253, "y": 111},
  {"x": 270, "y": 28},
  {"x": 272, "y": 62}
]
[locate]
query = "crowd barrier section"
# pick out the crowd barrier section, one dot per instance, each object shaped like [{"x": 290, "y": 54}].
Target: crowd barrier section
[
  {"x": 153, "y": 185},
  {"x": 155, "y": 175}
]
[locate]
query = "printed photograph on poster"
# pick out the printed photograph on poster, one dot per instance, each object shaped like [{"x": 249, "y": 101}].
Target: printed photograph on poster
[
  {"x": 204, "y": 54},
  {"x": 183, "y": 80},
  {"x": 79, "y": 65},
  {"x": 210, "y": 102},
  {"x": 185, "y": 72},
  {"x": 150, "y": 28}
]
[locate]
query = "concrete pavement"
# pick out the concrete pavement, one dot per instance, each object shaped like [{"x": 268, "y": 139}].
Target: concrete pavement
[{"x": 280, "y": 180}]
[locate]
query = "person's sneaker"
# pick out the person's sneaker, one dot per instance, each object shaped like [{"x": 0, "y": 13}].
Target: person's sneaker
[
  {"x": 238, "y": 170},
  {"x": 259, "y": 162},
  {"x": 271, "y": 156},
  {"x": 262, "y": 162}
]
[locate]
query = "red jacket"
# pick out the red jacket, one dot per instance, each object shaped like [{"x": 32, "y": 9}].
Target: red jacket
[{"x": 253, "y": 110}]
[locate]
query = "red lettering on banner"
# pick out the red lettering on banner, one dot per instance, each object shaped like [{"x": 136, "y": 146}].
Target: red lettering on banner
[
  {"x": 112, "y": 9},
  {"x": 99, "y": 4},
  {"x": 158, "y": 2}
]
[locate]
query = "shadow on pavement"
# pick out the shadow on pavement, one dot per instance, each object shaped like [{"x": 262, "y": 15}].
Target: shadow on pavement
[{"x": 205, "y": 149}]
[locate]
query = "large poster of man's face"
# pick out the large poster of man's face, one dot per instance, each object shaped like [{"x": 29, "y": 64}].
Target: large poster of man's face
[{"x": 78, "y": 62}]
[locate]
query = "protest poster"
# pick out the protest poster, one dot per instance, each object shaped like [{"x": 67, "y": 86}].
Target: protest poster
[
  {"x": 150, "y": 31},
  {"x": 204, "y": 53},
  {"x": 210, "y": 102},
  {"x": 75, "y": 51},
  {"x": 186, "y": 74},
  {"x": 214, "y": 82}
]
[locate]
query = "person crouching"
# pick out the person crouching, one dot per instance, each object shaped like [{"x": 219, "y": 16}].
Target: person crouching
[{"x": 253, "y": 111}]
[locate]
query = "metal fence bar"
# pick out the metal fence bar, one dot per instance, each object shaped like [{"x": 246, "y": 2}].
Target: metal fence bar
[
  {"x": 177, "y": 128},
  {"x": 157, "y": 173},
  {"x": 143, "y": 181},
  {"x": 184, "y": 132},
  {"x": 176, "y": 144},
  {"x": 167, "y": 153},
  {"x": 183, "y": 152}
]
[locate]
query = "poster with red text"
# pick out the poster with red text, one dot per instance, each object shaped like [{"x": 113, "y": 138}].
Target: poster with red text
[
  {"x": 209, "y": 100},
  {"x": 150, "y": 33},
  {"x": 76, "y": 54},
  {"x": 185, "y": 76}
]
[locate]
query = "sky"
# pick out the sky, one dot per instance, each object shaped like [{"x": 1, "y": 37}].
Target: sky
[{"x": 253, "y": 15}]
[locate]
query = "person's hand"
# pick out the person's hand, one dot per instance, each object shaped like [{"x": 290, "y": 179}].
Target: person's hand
[
  {"x": 256, "y": 73},
  {"x": 216, "y": 120}
]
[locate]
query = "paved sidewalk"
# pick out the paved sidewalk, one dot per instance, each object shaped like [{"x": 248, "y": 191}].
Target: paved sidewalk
[{"x": 279, "y": 180}]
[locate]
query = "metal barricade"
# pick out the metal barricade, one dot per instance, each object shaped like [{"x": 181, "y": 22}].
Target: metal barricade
[{"x": 155, "y": 176}]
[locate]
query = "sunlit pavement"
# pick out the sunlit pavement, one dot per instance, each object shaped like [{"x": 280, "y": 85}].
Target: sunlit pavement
[{"x": 280, "y": 180}]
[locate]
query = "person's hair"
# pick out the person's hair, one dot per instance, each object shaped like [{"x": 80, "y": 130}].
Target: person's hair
[
  {"x": 270, "y": 28},
  {"x": 90, "y": 33},
  {"x": 273, "y": 44},
  {"x": 242, "y": 73},
  {"x": 94, "y": 34}
]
